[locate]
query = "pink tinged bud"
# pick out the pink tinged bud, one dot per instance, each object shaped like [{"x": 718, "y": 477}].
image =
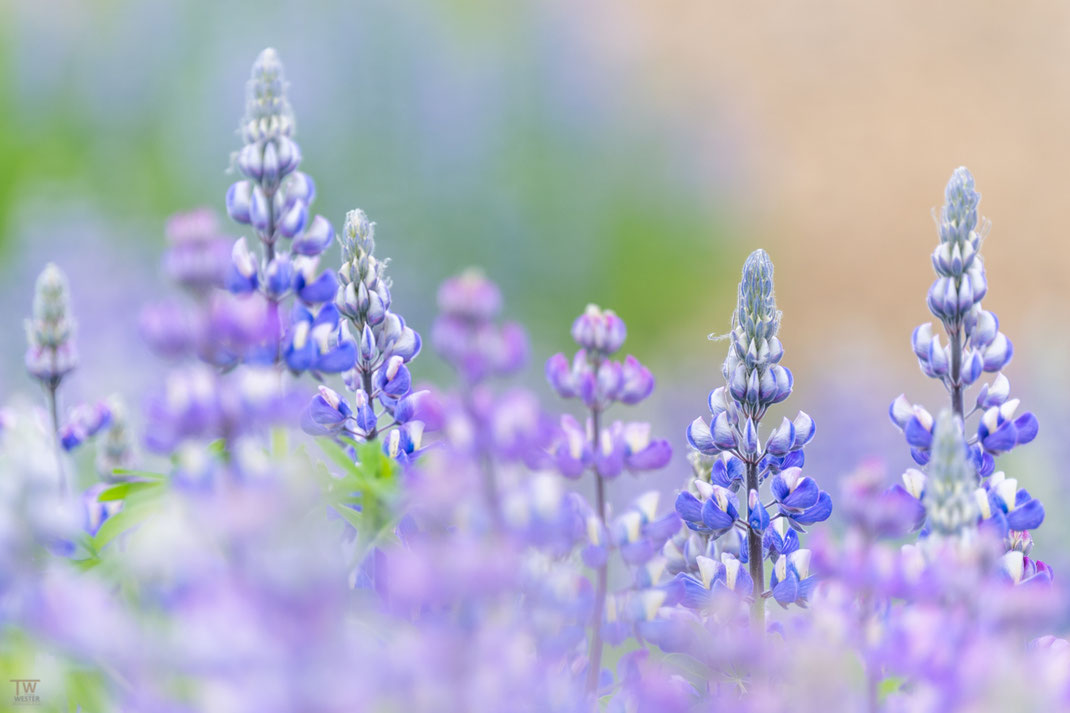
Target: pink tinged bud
[
  {"x": 559, "y": 375},
  {"x": 615, "y": 332},
  {"x": 330, "y": 396},
  {"x": 638, "y": 382},
  {"x": 239, "y": 199},
  {"x": 609, "y": 381}
]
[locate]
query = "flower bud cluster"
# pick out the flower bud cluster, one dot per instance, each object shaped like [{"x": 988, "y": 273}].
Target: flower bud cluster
[
  {"x": 600, "y": 381},
  {"x": 592, "y": 376},
  {"x": 467, "y": 334},
  {"x": 51, "y": 353}
]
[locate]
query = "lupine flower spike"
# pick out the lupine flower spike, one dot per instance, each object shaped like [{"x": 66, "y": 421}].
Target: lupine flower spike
[
  {"x": 975, "y": 346},
  {"x": 377, "y": 374},
  {"x": 755, "y": 381},
  {"x": 51, "y": 353},
  {"x": 274, "y": 199},
  {"x": 599, "y": 381}
]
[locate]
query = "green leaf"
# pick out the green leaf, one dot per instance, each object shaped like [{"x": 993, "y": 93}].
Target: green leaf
[
  {"x": 888, "y": 686},
  {"x": 138, "y": 474},
  {"x": 132, "y": 514},
  {"x": 279, "y": 443},
  {"x": 338, "y": 455},
  {"x": 124, "y": 490}
]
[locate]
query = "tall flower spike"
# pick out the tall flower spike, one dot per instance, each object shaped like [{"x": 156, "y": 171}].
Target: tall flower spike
[
  {"x": 754, "y": 381},
  {"x": 275, "y": 200},
  {"x": 974, "y": 345},
  {"x": 377, "y": 375},
  {"x": 49, "y": 333},
  {"x": 949, "y": 487},
  {"x": 599, "y": 381}
]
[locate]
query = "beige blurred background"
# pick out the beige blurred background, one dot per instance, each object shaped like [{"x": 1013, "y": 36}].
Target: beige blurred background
[{"x": 854, "y": 116}]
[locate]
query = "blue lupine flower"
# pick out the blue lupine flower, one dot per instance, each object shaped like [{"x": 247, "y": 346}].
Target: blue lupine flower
[
  {"x": 727, "y": 574},
  {"x": 375, "y": 362},
  {"x": 791, "y": 581},
  {"x": 960, "y": 488},
  {"x": 274, "y": 199},
  {"x": 1008, "y": 508},
  {"x": 318, "y": 343},
  {"x": 466, "y": 334},
  {"x": 754, "y": 381},
  {"x": 975, "y": 343},
  {"x": 84, "y": 422}
]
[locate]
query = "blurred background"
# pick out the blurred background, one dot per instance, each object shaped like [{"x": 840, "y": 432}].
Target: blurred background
[{"x": 626, "y": 153}]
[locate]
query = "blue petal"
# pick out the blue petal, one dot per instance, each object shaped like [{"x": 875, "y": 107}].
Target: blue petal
[
  {"x": 1027, "y": 428},
  {"x": 818, "y": 513},
  {"x": 689, "y": 507},
  {"x": 341, "y": 358},
  {"x": 1026, "y": 517},
  {"x": 323, "y": 289},
  {"x": 715, "y": 518}
]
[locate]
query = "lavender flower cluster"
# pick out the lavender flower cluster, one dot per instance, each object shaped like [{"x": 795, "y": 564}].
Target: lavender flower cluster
[{"x": 308, "y": 530}]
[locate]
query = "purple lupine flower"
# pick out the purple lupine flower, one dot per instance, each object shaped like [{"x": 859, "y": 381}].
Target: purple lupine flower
[
  {"x": 754, "y": 381},
  {"x": 199, "y": 256},
  {"x": 600, "y": 381},
  {"x": 83, "y": 422},
  {"x": 196, "y": 402},
  {"x": 466, "y": 333},
  {"x": 274, "y": 199}
]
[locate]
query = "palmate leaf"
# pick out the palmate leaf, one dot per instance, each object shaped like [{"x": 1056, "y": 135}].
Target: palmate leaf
[{"x": 370, "y": 484}]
